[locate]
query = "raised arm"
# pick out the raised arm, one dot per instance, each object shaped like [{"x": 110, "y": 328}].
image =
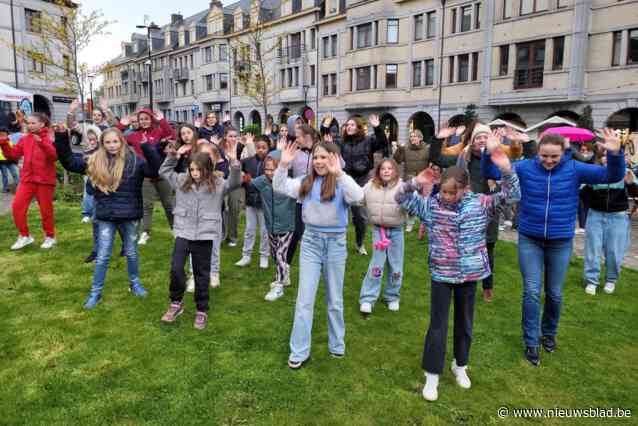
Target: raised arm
[
  {"x": 165, "y": 127},
  {"x": 281, "y": 183},
  {"x": 167, "y": 170},
  {"x": 510, "y": 188},
  {"x": 71, "y": 161},
  {"x": 615, "y": 170},
  {"x": 13, "y": 153},
  {"x": 380, "y": 142},
  {"x": 234, "y": 179},
  {"x": 412, "y": 202}
]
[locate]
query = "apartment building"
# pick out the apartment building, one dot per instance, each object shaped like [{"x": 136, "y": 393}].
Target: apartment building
[
  {"x": 417, "y": 63},
  {"x": 20, "y": 26}
]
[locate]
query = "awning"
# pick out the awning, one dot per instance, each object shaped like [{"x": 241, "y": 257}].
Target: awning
[{"x": 11, "y": 94}]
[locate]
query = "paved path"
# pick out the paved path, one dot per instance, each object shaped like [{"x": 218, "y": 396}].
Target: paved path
[{"x": 631, "y": 258}]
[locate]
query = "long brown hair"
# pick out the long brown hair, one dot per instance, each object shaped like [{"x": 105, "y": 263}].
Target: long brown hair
[
  {"x": 104, "y": 170},
  {"x": 329, "y": 182},
  {"x": 42, "y": 118},
  {"x": 458, "y": 174},
  {"x": 206, "y": 169},
  {"x": 378, "y": 182},
  {"x": 361, "y": 131}
]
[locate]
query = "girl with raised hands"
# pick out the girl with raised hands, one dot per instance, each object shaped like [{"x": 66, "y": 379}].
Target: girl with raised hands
[
  {"x": 116, "y": 173},
  {"x": 325, "y": 194},
  {"x": 198, "y": 223},
  {"x": 457, "y": 219}
]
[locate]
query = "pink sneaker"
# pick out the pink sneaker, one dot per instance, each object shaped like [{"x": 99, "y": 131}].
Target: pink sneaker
[
  {"x": 201, "y": 318},
  {"x": 175, "y": 309}
]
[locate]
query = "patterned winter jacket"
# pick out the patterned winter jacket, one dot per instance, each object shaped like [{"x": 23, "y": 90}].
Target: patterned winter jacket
[{"x": 457, "y": 251}]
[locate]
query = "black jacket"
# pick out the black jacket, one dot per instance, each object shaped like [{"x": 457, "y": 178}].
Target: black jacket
[
  {"x": 254, "y": 166},
  {"x": 358, "y": 153},
  {"x": 206, "y": 133},
  {"x": 126, "y": 202}
]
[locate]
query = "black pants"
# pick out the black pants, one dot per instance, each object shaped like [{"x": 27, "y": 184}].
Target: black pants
[
  {"x": 200, "y": 252},
  {"x": 489, "y": 281},
  {"x": 436, "y": 338},
  {"x": 360, "y": 222},
  {"x": 296, "y": 236}
]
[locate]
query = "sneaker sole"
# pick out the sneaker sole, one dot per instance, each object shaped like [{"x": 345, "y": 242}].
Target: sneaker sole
[{"x": 167, "y": 321}]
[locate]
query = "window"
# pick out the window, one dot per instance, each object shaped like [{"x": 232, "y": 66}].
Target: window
[
  {"x": 632, "y": 47},
  {"x": 429, "y": 72},
  {"x": 223, "y": 81},
  {"x": 289, "y": 73},
  {"x": 475, "y": 56},
  {"x": 431, "y": 20},
  {"x": 282, "y": 78},
  {"x": 34, "y": 64},
  {"x": 33, "y": 20},
  {"x": 391, "y": 76},
  {"x": 416, "y": 74},
  {"x": 418, "y": 27},
  {"x": 464, "y": 67},
  {"x": 191, "y": 61},
  {"x": 558, "y": 53},
  {"x": 325, "y": 85},
  {"x": 530, "y": 61},
  {"x": 451, "y": 70},
  {"x": 453, "y": 29},
  {"x": 313, "y": 39},
  {"x": 66, "y": 60},
  {"x": 312, "y": 75},
  {"x": 363, "y": 78},
  {"x": 235, "y": 87},
  {"x": 296, "y": 76},
  {"x": 477, "y": 16},
  {"x": 351, "y": 38},
  {"x": 333, "y": 84},
  {"x": 393, "y": 31},
  {"x": 562, "y": 4},
  {"x": 504, "y": 57},
  {"x": 222, "y": 53},
  {"x": 364, "y": 35},
  {"x": 466, "y": 18},
  {"x": 507, "y": 9},
  {"x": 209, "y": 82},
  {"x": 208, "y": 55},
  {"x": 531, "y": 6},
  {"x": 350, "y": 79},
  {"x": 325, "y": 42},
  {"x": 333, "y": 39}
]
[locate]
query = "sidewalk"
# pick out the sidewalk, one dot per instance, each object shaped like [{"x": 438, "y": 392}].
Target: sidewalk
[{"x": 631, "y": 258}]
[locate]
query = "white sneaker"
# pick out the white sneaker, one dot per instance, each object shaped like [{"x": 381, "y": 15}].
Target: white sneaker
[
  {"x": 244, "y": 261},
  {"x": 461, "y": 375},
  {"x": 580, "y": 231},
  {"x": 48, "y": 243},
  {"x": 409, "y": 228},
  {"x": 501, "y": 227},
  {"x": 393, "y": 306},
  {"x": 144, "y": 239},
  {"x": 214, "y": 279},
  {"x": 365, "y": 308},
  {"x": 263, "y": 262},
  {"x": 591, "y": 289},
  {"x": 507, "y": 223},
  {"x": 276, "y": 291},
  {"x": 190, "y": 285},
  {"x": 86, "y": 219},
  {"x": 232, "y": 243},
  {"x": 362, "y": 250},
  {"x": 609, "y": 288},
  {"x": 22, "y": 242},
  {"x": 430, "y": 392}
]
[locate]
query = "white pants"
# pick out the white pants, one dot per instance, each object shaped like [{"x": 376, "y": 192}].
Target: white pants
[{"x": 255, "y": 216}]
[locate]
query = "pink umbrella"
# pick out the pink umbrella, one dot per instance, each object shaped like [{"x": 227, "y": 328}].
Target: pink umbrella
[{"x": 574, "y": 134}]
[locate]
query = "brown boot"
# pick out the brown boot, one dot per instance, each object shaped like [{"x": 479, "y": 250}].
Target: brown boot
[{"x": 487, "y": 295}]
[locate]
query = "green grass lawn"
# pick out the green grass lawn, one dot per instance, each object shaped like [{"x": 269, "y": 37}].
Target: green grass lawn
[{"x": 119, "y": 365}]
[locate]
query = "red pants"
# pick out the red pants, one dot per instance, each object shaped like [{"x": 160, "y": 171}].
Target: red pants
[{"x": 44, "y": 195}]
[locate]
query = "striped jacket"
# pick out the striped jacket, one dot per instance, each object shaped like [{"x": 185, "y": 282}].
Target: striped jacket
[{"x": 457, "y": 251}]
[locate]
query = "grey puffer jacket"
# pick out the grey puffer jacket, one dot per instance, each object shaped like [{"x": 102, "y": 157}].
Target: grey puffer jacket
[{"x": 198, "y": 212}]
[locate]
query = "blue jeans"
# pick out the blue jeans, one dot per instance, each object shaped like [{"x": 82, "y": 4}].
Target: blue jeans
[
  {"x": 538, "y": 259},
  {"x": 393, "y": 256},
  {"x": 105, "y": 236},
  {"x": 88, "y": 204},
  {"x": 607, "y": 234},
  {"x": 9, "y": 169},
  {"x": 320, "y": 252}
]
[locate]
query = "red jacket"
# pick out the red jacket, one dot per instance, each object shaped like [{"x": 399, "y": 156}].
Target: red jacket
[
  {"x": 159, "y": 130},
  {"x": 39, "y": 157}
]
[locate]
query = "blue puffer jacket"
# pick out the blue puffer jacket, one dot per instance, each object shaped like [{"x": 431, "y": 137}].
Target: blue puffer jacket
[
  {"x": 125, "y": 203},
  {"x": 549, "y": 198}
]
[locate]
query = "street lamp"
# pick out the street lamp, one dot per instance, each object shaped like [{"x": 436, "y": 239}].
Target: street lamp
[
  {"x": 149, "y": 28},
  {"x": 91, "y": 77}
]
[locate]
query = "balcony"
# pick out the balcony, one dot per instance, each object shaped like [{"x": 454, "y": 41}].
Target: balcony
[
  {"x": 290, "y": 54},
  {"x": 528, "y": 78},
  {"x": 180, "y": 74}
]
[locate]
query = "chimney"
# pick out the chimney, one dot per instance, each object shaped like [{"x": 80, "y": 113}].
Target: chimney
[{"x": 176, "y": 18}]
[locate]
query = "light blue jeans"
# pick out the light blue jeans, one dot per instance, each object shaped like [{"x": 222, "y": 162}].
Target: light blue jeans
[
  {"x": 106, "y": 235},
  {"x": 320, "y": 252},
  {"x": 607, "y": 234},
  {"x": 393, "y": 256},
  {"x": 88, "y": 203}
]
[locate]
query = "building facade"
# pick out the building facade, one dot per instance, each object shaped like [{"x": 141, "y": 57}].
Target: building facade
[
  {"x": 19, "y": 27},
  {"x": 417, "y": 63}
]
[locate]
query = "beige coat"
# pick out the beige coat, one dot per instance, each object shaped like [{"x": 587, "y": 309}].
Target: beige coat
[{"x": 383, "y": 210}]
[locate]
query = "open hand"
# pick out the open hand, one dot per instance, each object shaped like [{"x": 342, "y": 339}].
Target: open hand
[
  {"x": 281, "y": 143},
  {"x": 184, "y": 150},
  {"x": 611, "y": 140},
  {"x": 327, "y": 120},
  {"x": 334, "y": 165},
  {"x": 215, "y": 140},
  {"x": 158, "y": 115},
  {"x": 231, "y": 151},
  {"x": 288, "y": 154},
  {"x": 374, "y": 120},
  {"x": 74, "y": 106},
  {"x": 125, "y": 121},
  {"x": 104, "y": 106},
  {"x": 513, "y": 135},
  {"x": 445, "y": 132},
  {"x": 493, "y": 141},
  {"x": 501, "y": 161}
]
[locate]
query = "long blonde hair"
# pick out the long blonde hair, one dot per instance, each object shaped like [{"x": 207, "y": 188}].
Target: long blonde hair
[{"x": 104, "y": 170}]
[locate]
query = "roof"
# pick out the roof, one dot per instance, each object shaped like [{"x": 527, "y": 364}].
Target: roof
[{"x": 551, "y": 120}]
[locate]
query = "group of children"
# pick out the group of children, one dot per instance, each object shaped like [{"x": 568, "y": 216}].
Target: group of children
[{"x": 295, "y": 184}]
